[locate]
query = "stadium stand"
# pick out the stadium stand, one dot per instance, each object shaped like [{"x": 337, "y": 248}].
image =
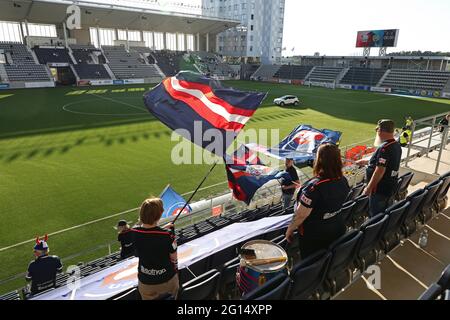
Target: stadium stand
[
  {"x": 265, "y": 72},
  {"x": 416, "y": 79},
  {"x": 324, "y": 74},
  {"x": 168, "y": 62},
  {"x": 20, "y": 65},
  {"x": 91, "y": 71},
  {"x": 32, "y": 72},
  {"x": 248, "y": 70},
  {"x": 363, "y": 76},
  {"x": 17, "y": 53},
  {"x": 129, "y": 65},
  {"x": 52, "y": 55},
  {"x": 293, "y": 72},
  {"x": 213, "y": 65}
]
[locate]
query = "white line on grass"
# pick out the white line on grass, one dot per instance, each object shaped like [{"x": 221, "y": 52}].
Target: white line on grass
[{"x": 95, "y": 221}]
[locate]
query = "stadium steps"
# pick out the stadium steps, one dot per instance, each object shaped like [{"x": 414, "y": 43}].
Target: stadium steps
[
  {"x": 342, "y": 75},
  {"x": 383, "y": 77},
  {"x": 266, "y": 72},
  {"x": 3, "y": 74}
]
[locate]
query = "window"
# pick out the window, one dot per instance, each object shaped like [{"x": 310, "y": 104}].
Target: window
[
  {"x": 40, "y": 30},
  {"x": 10, "y": 31},
  {"x": 148, "y": 39}
]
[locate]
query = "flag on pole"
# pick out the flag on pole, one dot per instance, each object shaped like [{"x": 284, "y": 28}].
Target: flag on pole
[
  {"x": 173, "y": 203},
  {"x": 246, "y": 174},
  {"x": 192, "y": 104},
  {"x": 301, "y": 144}
]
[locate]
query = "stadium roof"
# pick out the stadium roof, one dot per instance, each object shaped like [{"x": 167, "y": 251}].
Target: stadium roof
[
  {"x": 378, "y": 57},
  {"x": 112, "y": 16}
]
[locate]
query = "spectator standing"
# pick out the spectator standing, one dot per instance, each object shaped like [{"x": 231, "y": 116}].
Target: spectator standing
[
  {"x": 43, "y": 270},
  {"x": 156, "y": 249}
]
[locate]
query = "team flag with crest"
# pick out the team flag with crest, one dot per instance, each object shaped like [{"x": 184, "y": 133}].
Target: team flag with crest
[
  {"x": 246, "y": 174},
  {"x": 192, "y": 104},
  {"x": 173, "y": 203},
  {"x": 301, "y": 144}
]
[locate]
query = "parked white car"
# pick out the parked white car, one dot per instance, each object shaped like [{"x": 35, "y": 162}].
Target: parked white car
[{"x": 287, "y": 100}]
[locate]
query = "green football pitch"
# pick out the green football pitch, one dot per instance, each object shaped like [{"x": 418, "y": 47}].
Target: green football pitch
[{"x": 71, "y": 156}]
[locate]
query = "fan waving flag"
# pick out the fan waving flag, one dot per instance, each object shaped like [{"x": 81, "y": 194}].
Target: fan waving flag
[
  {"x": 247, "y": 174},
  {"x": 192, "y": 104},
  {"x": 173, "y": 203},
  {"x": 301, "y": 144}
]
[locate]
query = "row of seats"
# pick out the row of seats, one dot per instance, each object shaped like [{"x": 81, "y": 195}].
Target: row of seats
[
  {"x": 293, "y": 72},
  {"x": 91, "y": 71},
  {"x": 27, "y": 72},
  {"x": 416, "y": 79},
  {"x": 19, "y": 53},
  {"x": 324, "y": 74},
  {"x": 52, "y": 55},
  {"x": 265, "y": 72},
  {"x": 168, "y": 62},
  {"x": 128, "y": 65},
  {"x": 440, "y": 290},
  {"x": 363, "y": 76}
]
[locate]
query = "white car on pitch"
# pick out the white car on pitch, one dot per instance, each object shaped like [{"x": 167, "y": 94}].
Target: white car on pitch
[{"x": 287, "y": 100}]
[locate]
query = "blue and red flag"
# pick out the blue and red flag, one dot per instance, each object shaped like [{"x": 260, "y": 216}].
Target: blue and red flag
[
  {"x": 189, "y": 99},
  {"x": 173, "y": 203},
  {"x": 246, "y": 174},
  {"x": 301, "y": 144}
]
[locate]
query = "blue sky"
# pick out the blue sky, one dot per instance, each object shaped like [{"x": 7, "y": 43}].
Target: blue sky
[{"x": 330, "y": 26}]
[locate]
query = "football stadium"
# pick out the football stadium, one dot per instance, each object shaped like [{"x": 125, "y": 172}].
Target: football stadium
[{"x": 101, "y": 108}]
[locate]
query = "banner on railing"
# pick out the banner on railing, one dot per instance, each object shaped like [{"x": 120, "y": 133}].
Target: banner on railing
[{"x": 112, "y": 281}]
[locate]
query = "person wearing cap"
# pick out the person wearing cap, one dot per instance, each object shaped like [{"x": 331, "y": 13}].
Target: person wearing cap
[
  {"x": 382, "y": 169},
  {"x": 289, "y": 185},
  {"x": 125, "y": 238},
  {"x": 156, "y": 249},
  {"x": 43, "y": 270}
]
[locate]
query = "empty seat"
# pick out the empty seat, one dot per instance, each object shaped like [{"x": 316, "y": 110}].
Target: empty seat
[
  {"x": 391, "y": 237},
  {"x": 404, "y": 182},
  {"x": 218, "y": 259},
  {"x": 432, "y": 293},
  {"x": 426, "y": 212},
  {"x": 204, "y": 287},
  {"x": 444, "y": 280},
  {"x": 372, "y": 231},
  {"x": 308, "y": 275},
  {"x": 410, "y": 216},
  {"x": 227, "y": 285},
  {"x": 343, "y": 253},
  {"x": 355, "y": 192},
  {"x": 360, "y": 211},
  {"x": 13, "y": 295},
  {"x": 197, "y": 268},
  {"x": 276, "y": 288},
  {"x": 346, "y": 213},
  {"x": 441, "y": 199}
]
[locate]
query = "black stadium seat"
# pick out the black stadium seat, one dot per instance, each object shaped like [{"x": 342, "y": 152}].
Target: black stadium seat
[
  {"x": 442, "y": 197},
  {"x": 355, "y": 192},
  {"x": 218, "y": 259},
  {"x": 360, "y": 211},
  {"x": 308, "y": 275},
  {"x": 204, "y": 287},
  {"x": 372, "y": 231},
  {"x": 343, "y": 253},
  {"x": 432, "y": 293},
  {"x": 404, "y": 182},
  {"x": 409, "y": 223},
  {"x": 391, "y": 238},
  {"x": 228, "y": 279},
  {"x": 426, "y": 212},
  {"x": 444, "y": 280},
  {"x": 346, "y": 213},
  {"x": 274, "y": 289}
]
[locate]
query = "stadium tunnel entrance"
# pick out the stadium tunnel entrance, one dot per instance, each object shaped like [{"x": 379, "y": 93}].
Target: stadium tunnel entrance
[{"x": 63, "y": 75}]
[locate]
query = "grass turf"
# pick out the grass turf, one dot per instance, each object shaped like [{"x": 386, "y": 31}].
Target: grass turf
[{"x": 73, "y": 155}]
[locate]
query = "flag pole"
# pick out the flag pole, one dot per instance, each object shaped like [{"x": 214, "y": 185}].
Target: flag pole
[{"x": 195, "y": 192}]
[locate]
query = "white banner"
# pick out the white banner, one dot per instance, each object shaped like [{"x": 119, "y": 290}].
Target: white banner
[
  {"x": 45, "y": 84},
  {"x": 133, "y": 81},
  {"x": 446, "y": 95},
  {"x": 100, "y": 82},
  {"x": 345, "y": 86},
  {"x": 381, "y": 89},
  {"x": 112, "y": 281}
]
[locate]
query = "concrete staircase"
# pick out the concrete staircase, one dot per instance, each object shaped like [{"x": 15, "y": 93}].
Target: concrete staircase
[{"x": 383, "y": 78}]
